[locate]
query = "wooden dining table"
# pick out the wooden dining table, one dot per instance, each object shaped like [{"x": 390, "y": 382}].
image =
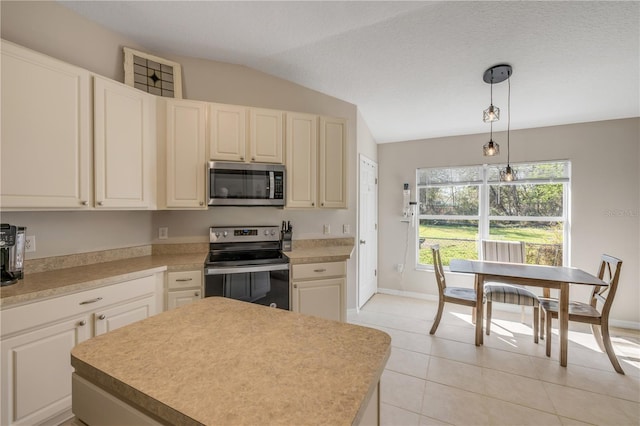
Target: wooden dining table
[{"x": 548, "y": 277}]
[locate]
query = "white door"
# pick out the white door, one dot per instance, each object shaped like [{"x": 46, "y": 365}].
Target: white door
[{"x": 368, "y": 231}]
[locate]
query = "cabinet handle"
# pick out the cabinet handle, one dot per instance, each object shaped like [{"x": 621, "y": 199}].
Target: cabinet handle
[
  {"x": 313, "y": 204},
  {"x": 253, "y": 158},
  {"x": 82, "y": 323},
  {"x": 86, "y": 302},
  {"x": 320, "y": 270},
  {"x": 85, "y": 203},
  {"x": 202, "y": 203},
  {"x": 99, "y": 203},
  {"x": 242, "y": 158},
  {"x": 197, "y": 294},
  {"x": 295, "y": 286},
  {"x": 363, "y": 242},
  {"x": 184, "y": 279},
  {"x": 322, "y": 204},
  {"x": 101, "y": 317}
]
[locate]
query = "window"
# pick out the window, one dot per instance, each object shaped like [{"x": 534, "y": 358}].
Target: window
[{"x": 460, "y": 206}]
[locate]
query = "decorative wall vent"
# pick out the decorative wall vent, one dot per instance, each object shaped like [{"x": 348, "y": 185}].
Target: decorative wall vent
[{"x": 152, "y": 74}]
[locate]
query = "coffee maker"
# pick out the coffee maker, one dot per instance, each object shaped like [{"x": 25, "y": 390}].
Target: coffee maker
[{"x": 12, "y": 240}]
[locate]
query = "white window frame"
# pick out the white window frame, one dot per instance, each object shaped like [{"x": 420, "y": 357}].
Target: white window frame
[{"x": 483, "y": 216}]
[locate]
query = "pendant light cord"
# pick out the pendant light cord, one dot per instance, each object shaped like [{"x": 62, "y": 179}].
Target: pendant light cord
[{"x": 508, "y": 116}]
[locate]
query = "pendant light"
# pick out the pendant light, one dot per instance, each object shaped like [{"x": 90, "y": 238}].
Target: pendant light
[
  {"x": 508, "y": 174},
  {"x": 491, "y": 148},
  {"x": 492, "y": 113},
  {"x": 495, "y": 74}
]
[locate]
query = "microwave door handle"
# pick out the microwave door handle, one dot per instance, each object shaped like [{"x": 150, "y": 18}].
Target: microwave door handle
[{"x": 272, "y": 185}]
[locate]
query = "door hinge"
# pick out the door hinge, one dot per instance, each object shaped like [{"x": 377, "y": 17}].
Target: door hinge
[
  {"x": 376, "y": 181},
  {"x": 375, "y": 272},
  {"x": 375, "y": 226}
]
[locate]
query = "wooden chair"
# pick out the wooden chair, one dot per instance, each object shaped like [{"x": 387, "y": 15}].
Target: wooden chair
[
  {"x": 512, "y": 252},
  {"x": 457, "y": 295},
  {"x": 588, "y": 312}
]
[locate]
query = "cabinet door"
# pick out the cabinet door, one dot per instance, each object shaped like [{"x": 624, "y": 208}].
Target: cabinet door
[
  {"x": 186, "y": 159},
  {"x": 227, "y": 132},
  {"x": 321, "y": 298},
  {"x": 301, "y": 148},
  {"x": 177, "y": 298},
  {"x": 333, "y": 163},
  {"x": 124, "y": 314},
  {"x": 45, "y": 127},
  {"x": 124, "y": 137},
  {"x": 36, "y": 371},
  {"x": 266, "y": 137}
]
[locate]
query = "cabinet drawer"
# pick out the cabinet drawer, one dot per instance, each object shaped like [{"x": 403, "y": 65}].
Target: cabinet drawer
[
  {"x": 318, "y": 270},
  {"x": 34, "y": 314},
  {"x": 184, "y": 279}
]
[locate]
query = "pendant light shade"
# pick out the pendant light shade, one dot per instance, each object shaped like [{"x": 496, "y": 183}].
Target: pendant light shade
[
  {"x": 508, "y": 174},
  {"x": 491, "y": 114},
  {"x": 491, "y": 148},
  {"x": 493, "y": 75}
]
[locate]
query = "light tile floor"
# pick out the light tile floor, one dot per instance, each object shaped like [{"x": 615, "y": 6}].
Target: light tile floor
[{"x": 445, "y": 379}]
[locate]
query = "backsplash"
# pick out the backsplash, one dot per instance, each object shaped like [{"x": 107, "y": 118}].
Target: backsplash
[{"x": 82, "y": 259}]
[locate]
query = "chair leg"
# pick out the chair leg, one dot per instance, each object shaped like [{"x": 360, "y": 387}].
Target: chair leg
[
  {"x": 436, "y": 320},
  {"x": 488, "y": 324},
  {"x": 536, "y": 318},
  {"x": 542, "y": 328},
  {"x": 609, "y": 348},
  {"x": 522, "y": 314},
  {"x": 548, "y": 333},
  {"x": 596, "y": 330}
]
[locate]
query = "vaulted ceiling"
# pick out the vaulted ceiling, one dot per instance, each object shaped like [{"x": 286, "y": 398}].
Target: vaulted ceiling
[{"x": 414, "y": 69}]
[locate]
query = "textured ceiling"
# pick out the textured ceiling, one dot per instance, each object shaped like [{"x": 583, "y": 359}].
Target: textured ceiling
[{"x": 414, "y": 69}]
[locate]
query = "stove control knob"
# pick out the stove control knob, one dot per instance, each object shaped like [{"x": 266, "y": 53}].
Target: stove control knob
[
  {"x": 225, "y": 233},
  {"x": 217, "y": 235},
  {"x": 273, "y": 232},
  {"x": 266, "y": 232}
]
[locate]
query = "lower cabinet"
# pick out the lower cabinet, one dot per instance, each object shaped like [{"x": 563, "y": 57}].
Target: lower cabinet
[
  {"x": 319, "y": 289},
  {"x": 37, "y": 339},
  {"x": 183, "y": 287}
]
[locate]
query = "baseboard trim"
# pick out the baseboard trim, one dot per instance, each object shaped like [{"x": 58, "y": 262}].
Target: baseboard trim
[{"x": 498, "y": 306}]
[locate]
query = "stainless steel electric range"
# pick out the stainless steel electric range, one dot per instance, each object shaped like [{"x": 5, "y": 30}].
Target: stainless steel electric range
[{"x": 246, "y": 263}]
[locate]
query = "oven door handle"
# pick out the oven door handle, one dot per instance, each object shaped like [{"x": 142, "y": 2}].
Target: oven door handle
[{"x": 244, "y": 270}]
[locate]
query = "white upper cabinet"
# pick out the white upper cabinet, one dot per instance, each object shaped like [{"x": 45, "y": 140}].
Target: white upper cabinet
[
  {"x": 124, "y": 146},
  {"x": 251, "y": 135},
  {"x": 316, "y": 159},
  {"x": 302, "y": 158},
  {"x": 332, "y": 163},
  {"x": 185, "y": 154},
  {"x": 265, "y": 136},
  {"x": 227, "y": 132},
  {"x": 46, "y": 132}
]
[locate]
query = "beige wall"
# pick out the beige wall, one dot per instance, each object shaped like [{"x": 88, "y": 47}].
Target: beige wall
[
  {"x": 604, "y": 196},
  {"x": 52, "y": 29}
]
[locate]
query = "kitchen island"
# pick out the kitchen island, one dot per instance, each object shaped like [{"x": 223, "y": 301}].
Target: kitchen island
[{"x": 220, "y": 361}]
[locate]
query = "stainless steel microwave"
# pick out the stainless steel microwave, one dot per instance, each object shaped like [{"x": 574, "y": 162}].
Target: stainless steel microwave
[{"x": 246, "y": 184}]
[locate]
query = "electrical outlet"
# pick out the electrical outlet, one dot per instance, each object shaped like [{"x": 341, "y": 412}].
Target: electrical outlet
[
  {"x": 163, "y": 233},
  {"x": 346, "y": 229},
  {"x": 399, "y": 267},
  {"x": 30, "y": 244},
  {"x": 326, "y": 229}
]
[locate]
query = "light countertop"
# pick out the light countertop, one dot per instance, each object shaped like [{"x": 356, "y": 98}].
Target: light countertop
[
  {"x": 42, "y": 285},
  {"x": 222, "y": 361}
]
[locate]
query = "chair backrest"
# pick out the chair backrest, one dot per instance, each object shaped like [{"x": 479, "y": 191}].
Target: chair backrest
[
  {"x": 438, "y": 269},
  {"x": 608, "y": 272},
  {"x": 503, "y": 251}
]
